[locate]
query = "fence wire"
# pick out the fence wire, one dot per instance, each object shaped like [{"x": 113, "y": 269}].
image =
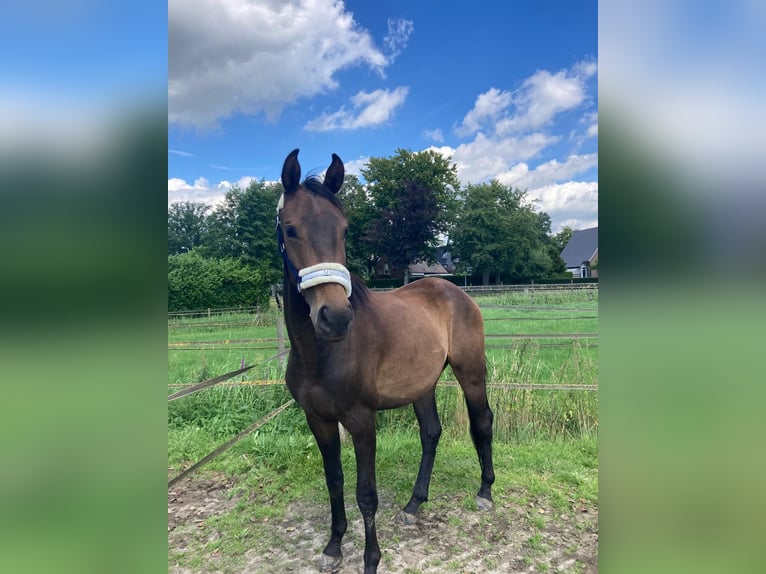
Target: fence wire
[{"x": 279, "y": 343}]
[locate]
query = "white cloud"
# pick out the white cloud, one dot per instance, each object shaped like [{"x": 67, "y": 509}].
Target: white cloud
[
  {"x": 485, "y": 157},
  {"x": 233, "y": 56},
  {"x": 488, "y": 108},
  {"x": 355, "y": 166},
  {"x": 180, "y": 153},
  {"x": 510, "y": 128},
  {"x": 446, "y": 151},
  {"x": 543, "y": 95},
  {"x": 574, "y": 203},
  {"x": 399, "y": 31},
  {"x": 435, "y": 135},
  {"x": 369, "y": 109},
  {"x": 202, "y": 191},
  {"x": 535, "y": 103},
  {"x": 547, "y": 173},
  {"x": 585, "y": 68}
]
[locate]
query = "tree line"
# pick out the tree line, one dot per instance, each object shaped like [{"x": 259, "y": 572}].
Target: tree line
[{"x": 408, "y": 205}]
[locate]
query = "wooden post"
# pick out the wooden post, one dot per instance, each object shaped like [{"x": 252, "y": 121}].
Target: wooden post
[
  {"x": 281, "y": 334},
  {"x": 343, "y": 433}
]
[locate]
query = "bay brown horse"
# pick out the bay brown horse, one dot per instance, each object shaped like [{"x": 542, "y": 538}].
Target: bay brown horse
[{"x": 354, "y": 352}]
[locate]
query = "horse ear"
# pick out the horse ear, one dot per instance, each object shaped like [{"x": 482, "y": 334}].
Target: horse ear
[
  {"x": 291, "y": 172},
  {"x": 333, "y": 179}
]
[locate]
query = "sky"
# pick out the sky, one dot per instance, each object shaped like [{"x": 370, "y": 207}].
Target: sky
[{"x": 507, "y": 90}]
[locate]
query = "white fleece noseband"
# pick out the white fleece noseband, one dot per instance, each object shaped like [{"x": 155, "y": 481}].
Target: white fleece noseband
[
  {"x": 314, "y": 275},
  {"x": 324, "y": 273}
]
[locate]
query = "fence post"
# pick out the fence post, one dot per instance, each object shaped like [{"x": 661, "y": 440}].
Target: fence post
[
  {"x": 280, "y": 333},
  {"x": 343, "y": 433}
]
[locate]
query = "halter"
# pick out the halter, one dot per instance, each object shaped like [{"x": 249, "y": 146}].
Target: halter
[{"x": 314, "y": 275}]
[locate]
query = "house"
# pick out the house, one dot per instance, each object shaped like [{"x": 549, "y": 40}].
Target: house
[
  {"x": 581, "y": 253},
  {"x": 444, "y": 256},
  {"x": 385, "y": 270}
]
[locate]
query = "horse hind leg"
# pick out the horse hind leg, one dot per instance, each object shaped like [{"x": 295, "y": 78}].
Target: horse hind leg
[
  {"x": 473, "y": 382},
  {"x": 430, "y": 431}
]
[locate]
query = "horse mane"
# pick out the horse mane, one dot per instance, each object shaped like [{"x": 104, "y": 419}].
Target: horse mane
[
  {"x": 360, "y": 293},
  {"x": 316, "y": 186}
]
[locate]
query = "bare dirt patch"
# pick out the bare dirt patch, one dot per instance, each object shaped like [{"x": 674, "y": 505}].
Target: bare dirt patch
[
  {"x": 518, "y": 535},
  {"x": 191, "y": 502}
]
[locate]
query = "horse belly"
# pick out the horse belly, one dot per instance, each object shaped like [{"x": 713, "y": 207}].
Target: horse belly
[{"x": 410, "y": 374}]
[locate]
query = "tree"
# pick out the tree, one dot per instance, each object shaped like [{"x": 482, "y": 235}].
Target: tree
[
  {"x": 412, "y": 196},
  {"x": 556, "y": 245},
  {"x": 498, "y": 233},
  {"x": 243, "y": 227},
  {"x": 483, "y": 228},
  {"x": 187, "y": 226},
  {"x": 407, "y": 231},
  {"x": 531, "y": 233},
  {"x": 562, "y": 237},
  {"x": 360, "y": 214}
]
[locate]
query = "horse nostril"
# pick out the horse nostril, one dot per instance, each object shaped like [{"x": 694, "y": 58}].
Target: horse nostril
[
  {"x": 326, "y": 318},
  {"x": 333, "y": 323}
]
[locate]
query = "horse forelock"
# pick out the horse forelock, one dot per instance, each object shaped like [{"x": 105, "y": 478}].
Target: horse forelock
[{"x": 316, "y": 186}]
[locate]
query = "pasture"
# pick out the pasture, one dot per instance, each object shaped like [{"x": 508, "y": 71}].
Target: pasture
[{"x": 262, "y": 506}]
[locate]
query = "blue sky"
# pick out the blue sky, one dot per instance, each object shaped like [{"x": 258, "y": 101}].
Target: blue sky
[{"x": 508, "y": 90}]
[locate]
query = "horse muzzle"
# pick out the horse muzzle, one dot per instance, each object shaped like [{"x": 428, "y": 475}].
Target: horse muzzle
[
  {"x": 332, "y": 323},
  {"x": 331, "y": 311}
]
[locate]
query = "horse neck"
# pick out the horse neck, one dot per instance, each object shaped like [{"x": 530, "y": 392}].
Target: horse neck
[{"x": 296, "y": 310}]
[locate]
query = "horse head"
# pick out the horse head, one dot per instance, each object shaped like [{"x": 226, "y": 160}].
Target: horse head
[{"x": 311, "y": 229}]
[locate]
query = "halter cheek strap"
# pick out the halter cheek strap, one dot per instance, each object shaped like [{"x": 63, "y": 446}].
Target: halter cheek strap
[{"x": 314, "y": 275}]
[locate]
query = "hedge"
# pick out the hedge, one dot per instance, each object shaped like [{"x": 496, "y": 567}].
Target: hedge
[{"x": 196, "y": 282}]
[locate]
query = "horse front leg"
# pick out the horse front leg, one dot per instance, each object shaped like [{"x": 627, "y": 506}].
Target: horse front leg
[
  {"x": 362, "y": 429},
  {"x": 328, "y": 441}
]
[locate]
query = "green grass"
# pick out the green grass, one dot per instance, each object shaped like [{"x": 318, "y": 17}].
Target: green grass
[
  {"x": 557, "y": 471},
  {"x": 204, "y": 347}
]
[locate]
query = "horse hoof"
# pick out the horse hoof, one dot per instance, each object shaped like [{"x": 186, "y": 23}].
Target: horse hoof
[
  {"x": 407, "y": 519},
  {"x": 483, "y": 503},
  {"x": 329, "y": 563}
]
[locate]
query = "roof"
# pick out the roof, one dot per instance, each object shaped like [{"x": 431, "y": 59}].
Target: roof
[
  {"x": 444, "y": 256},
  {"x": 582, "y": 246},
  {"x": 421, "y": 268}
]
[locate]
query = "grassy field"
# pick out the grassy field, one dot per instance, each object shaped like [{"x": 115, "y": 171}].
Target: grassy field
[
  {"x": 530, "y": 340},
  {"x": 545, "y": 440}
]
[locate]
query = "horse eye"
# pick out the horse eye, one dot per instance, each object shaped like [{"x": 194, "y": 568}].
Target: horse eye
[{"x": 290, "y": 230}]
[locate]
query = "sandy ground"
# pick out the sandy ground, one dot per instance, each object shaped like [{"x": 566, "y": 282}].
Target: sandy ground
[{"x": 511, "y": 538}]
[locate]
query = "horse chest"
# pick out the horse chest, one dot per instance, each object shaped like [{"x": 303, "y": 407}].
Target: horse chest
[{"x": 328, "y": 393}]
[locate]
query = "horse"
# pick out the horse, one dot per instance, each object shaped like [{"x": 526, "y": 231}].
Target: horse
[{"x": 354, "y": 352}]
